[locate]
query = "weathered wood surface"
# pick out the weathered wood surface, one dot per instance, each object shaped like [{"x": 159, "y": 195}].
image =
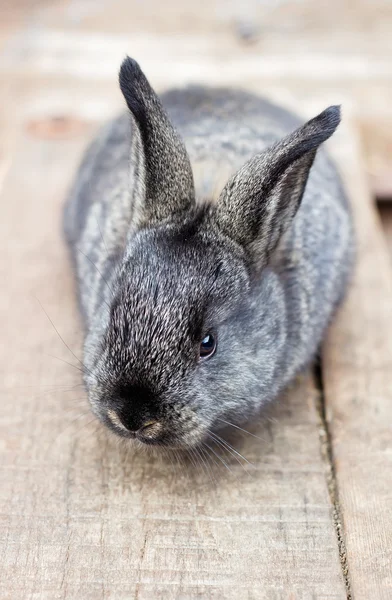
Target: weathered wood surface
[
  {"x": 331, "y": 50},
  {"x": 357, "y": 380},
  {"x": 82, "y": 517}
]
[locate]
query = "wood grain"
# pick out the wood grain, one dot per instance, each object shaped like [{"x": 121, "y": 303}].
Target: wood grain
[
  {"x": 82, "y": 517},
  {"x": 334, "y": 51},
  {"x": 357, "y": 367}
]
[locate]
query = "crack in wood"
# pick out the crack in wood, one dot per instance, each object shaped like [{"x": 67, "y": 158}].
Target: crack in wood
[{"x": 328, "y": 458}]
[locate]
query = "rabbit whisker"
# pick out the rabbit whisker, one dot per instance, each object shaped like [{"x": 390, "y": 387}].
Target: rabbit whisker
[
  {"x": 168, "y": 455},
  {"x": 241, "y": 429},
  {"x": 103, "y": 240},
  {"x": 98, "y": 271},
  {"x": 180, "y": 461},
  {"x": 66, "y": 362},
  {"x": 229, "y": 448},
  {"x": 99, "y": 295},
  {"x": 218, "y": 457},
  {"x": 204, "y": 450},
  {"x": 193, "y": 457},
  {"x": 205, "y": 467},
  {"x": 58, "y": 333}
]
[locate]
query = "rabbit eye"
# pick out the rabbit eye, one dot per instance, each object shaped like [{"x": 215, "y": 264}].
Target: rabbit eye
[{"x": 207, "y": 345}]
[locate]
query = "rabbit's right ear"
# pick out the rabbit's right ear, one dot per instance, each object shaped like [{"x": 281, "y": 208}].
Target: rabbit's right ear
[
  {"x": 259, "y": 202},
  {"x": 160, "y": 165}
]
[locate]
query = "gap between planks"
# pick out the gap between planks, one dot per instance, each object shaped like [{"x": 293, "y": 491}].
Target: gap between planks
[
  {"x": 356, "y": 366},
  {"x": 326, "y": 450}
]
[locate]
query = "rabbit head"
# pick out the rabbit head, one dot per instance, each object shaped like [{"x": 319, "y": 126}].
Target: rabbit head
[{"x": 188, "y": 343}]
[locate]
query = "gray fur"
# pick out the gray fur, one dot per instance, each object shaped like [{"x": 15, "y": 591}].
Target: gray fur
[{"x": 160, "y": 261}]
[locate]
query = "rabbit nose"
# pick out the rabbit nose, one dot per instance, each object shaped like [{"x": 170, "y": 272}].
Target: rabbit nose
[{"x": 149, "y": 430}]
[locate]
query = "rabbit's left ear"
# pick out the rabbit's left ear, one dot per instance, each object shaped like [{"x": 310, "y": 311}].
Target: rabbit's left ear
[
  {"x": 159, "y": 159},
  {"x": 260, "y": 201}
]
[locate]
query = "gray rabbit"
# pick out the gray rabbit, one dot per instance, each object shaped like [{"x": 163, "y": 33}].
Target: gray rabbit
[{"x": 199, "y": 312}]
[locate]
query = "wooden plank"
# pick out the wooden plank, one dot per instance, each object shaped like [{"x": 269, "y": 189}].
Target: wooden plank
[
  {"x": 357, "y": 367},
  {"x": 81, "y": 516},
  {"x": 290, "y": 49},
  {"x": 377, "y": 142}
]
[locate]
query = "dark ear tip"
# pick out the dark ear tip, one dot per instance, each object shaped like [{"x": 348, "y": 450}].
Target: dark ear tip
[
  {"x": 129, "y": 71},
  {"x": 329, "y": 119},
  {"x": 134, "y": 86}
]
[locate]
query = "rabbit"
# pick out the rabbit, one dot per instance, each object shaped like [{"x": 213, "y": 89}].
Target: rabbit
[{"x": 201, "y": 305}]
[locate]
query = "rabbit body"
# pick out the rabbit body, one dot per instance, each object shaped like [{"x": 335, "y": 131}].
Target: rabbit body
[{"x": 151, "y": 283}]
